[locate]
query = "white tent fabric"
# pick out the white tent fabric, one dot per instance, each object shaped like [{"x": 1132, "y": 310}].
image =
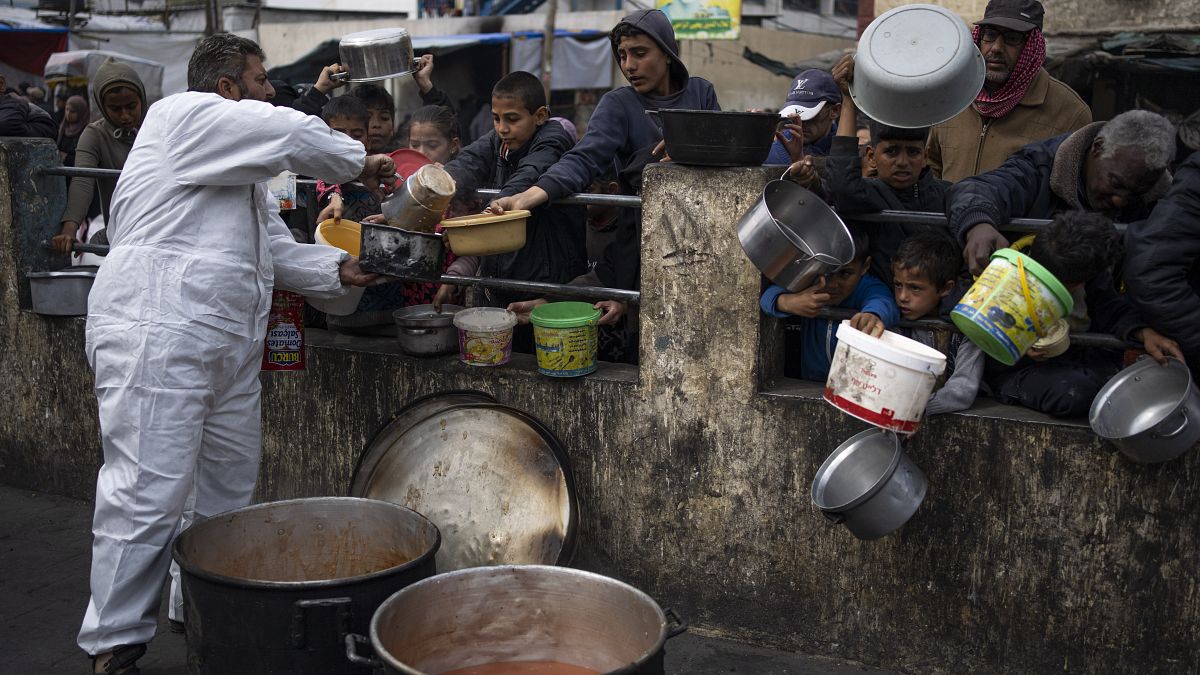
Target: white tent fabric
[
  {"x": 172, "y": 50},
  {"x": 578, "y": 64}
]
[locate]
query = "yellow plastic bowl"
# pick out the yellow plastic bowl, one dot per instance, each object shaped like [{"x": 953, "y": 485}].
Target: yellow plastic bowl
[
  {"x": 486, "y": 234},
  {"x": 345, "y": 235}
]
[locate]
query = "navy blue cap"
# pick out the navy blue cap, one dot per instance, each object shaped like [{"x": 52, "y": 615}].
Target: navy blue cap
[{"x": 810, "y": 91}]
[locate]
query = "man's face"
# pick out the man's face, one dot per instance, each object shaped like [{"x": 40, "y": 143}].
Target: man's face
[
  {"x": 379, "y": 129},
  {"x": 1114, "y": 182},
  {"x": 916, "y": 295},
  {"x": 644, "y": 65},
  {"x": 818, "y": 127},
  {"x": 513, "y": 122},
  {"x": 1000, "y": 48},
  {"x": 254, "y": 84},
  {"x": 841, "y": 283},
  {"x": 352, "y": 127},
  {"x": 899, "y": 163},
  {"x": 123, "y": 107}
]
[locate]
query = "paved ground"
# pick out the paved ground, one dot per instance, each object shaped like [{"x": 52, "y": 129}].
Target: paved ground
[{"x": 45, "y": 552}]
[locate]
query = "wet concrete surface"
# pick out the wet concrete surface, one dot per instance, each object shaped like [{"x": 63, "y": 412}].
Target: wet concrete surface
[{"x": 45, "y": 553}]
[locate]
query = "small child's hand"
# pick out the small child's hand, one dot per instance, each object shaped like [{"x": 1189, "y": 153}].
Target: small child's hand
[
  {"x": 325, "y": 83},
  {"x": 843, "y": 74},
  {"x": 424, "y": 74},
  {"x": 804, "y": 173},
  {"x": 867, "y": 323},
  {"x": 613, "y": 311},
  {"x": 807, "y": 303},
  {"x": 524, "y": 309},
  {"x": 445, "y": 294},
  {"x": 333, "y": 210}
]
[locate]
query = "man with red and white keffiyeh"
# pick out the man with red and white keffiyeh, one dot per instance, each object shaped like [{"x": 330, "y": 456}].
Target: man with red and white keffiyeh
[{"x": 1019, "y": 103}]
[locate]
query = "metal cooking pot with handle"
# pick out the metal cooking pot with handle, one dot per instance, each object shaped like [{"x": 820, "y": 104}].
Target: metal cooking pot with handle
[
  {"x": 422, "y": 331},
  {"x": 374, "y": 55},
  {"x": 793, "y": 237},
  {"x": 1149, "y": 411}
]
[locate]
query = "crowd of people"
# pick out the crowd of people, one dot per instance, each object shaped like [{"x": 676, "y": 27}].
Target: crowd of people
[{"x": 177, "y": 313}]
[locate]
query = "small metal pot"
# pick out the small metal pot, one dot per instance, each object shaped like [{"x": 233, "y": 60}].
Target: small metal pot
[
  {"x": 379, "y": 54},
  {"x": 62, "y": 293},
  {"x": 717, "y": 137},
  {"x": 793, "y": 237},
  {"x": 421, "y": 331},
  {"x": 1150, "y": 412},
  {"x": 401, "y": 253},
  {"x": 487, "y": 615},
  {"x": 869, "y": 484},
  {"x": 420, "y": 201}
]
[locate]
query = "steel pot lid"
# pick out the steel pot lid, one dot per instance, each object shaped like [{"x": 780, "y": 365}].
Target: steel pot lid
[
  {"x": 493, "y": 479},
  {"x": 425, "y": 316}
]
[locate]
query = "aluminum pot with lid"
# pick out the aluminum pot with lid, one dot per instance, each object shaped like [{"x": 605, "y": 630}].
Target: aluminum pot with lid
[
  {"x": 423, "y": 331},
  {"x": 1149, "y": 411},
  {"x": 379, "y": 54},
  {"x": 793, "y": 237},
  {"x": 493, "y": 615}
]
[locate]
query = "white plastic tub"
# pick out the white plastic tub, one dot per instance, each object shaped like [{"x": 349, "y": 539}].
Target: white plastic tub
[{"x": 885, "y": 381}]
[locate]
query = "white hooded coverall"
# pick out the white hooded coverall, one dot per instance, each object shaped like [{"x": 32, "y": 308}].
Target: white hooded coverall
[{"x": 176, "y": 321}]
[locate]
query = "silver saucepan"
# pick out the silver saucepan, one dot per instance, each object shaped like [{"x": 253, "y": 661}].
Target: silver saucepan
[
  {"x": 1150, "y": 412},
  {"x": 374, "y": 55}
]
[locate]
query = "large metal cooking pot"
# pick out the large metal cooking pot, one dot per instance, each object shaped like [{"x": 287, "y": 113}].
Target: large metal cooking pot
[
  {"x": 423, "y": 331},
  {"x": 380, "y": 54},
  {"x": 401, "y": 253},
  {"x": 869, "y": 484},
  {"x": 274, "y": 588},
  {"x": 521, "y": 506},
  {"x": 519, "y": 613},
  {"x": 717, "y": 137},
  {"x": 916, "y": 66},
  {"x": 793, "y": 237},
  {"x": 1150, "y": 412},
  {"x": 62, "y": 293}
]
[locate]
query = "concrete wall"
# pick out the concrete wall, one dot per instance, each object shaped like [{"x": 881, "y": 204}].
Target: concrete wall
[
  {"x": 1088, "y": 16},
  {"x": 1038, "y": 548}
]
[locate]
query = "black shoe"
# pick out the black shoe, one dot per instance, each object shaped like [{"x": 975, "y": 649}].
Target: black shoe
[
  {"x": 123, "y": 661},
  {"x": 176, "y": 626}
]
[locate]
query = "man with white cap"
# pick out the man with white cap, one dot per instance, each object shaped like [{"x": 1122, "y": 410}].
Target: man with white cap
[
  {"x": 1019, "y": 103},
  {"x": 810, "y": 116}
]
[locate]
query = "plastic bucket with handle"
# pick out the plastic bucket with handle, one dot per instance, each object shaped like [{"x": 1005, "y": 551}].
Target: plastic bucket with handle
[
  {"x": 1011, "y": 304},
  {"x": 566, "y": 337},
  {"x": 343, "y": 234},
  {"x": 884, "y": 380}
]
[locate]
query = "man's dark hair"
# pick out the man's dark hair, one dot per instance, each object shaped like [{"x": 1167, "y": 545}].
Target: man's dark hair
[
  {"x": 522, "y": 86},
  {"x": 930, "y": 254},
  {"x": 883, "y": 132},
  {"x": 862, "y": 242},
  {"x": 441, "y": 117},
  {"x": 348, "y": 107},
  {"x": 1077, "y": 246},
  {"x": 623, "y": 30},
  {"x": 374, "y": 96},
  {"x": 220, "y": 55}
]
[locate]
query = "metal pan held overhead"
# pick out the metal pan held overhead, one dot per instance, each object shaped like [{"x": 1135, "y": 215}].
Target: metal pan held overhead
[{"x": 374, "y": 55}]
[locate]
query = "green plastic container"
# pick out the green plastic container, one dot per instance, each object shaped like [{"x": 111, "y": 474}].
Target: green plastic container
[
  {"x": 565, "y": 334},
  {"x": 994, "y": 314}
]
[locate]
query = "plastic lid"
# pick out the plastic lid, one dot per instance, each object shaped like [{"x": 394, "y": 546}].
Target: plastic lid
[
  {"x": 894, "y": 348},
  {"x": 485, "y": 319},
  {"x": 1043, "y": 275},
  {"x": 484, "y": 218},
  {"x": 565, "y": 315}
]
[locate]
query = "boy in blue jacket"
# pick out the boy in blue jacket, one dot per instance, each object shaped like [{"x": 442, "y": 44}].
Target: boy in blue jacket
[
  {"x": 850, "y": 287},
  {"x": 645, "y": 48}
]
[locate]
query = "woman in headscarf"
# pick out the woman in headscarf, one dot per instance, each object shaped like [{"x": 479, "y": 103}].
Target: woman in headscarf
[
  {"x": 75, "y": 120},
  {"x": 104, "y": 144}
]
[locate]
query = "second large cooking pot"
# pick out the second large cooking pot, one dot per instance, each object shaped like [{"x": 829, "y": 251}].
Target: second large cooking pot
[
  {"x": 717, "y": 137},
  {"x": 379, "y": 54},
  {"x": 793, "y": 237},
  {"x": 521, "y": 613},
  {"x": 274, "y": 588},
  {"x": 1150, "y": 412}
]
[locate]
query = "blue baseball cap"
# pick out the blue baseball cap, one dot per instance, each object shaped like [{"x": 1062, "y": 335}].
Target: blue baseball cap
[{"x": 810, "y": 91}]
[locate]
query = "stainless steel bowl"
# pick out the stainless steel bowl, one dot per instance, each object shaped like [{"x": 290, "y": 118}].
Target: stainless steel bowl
[{"x": 379, "y": 54}]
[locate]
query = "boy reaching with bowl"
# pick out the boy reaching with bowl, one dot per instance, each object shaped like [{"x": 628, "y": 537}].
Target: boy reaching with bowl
[{"x": 851, "y": 286}]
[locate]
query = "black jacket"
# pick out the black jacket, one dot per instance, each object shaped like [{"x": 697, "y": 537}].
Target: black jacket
[
  {"x": 19, "y": 119},
  {"x": 1162, "y": 262},
  {"x": 1038, "y": 181},
  {"x": 313, "y": 101},
  {"x": 554, "y": 249},
  {"x": 852, "y": 193}
]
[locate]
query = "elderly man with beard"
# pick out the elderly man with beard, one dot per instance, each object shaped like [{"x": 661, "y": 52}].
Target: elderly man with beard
[{"x": 1019, "y": 103}]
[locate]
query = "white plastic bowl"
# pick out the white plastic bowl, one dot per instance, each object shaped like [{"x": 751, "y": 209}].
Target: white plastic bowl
[{"x": 916, "y": 66}]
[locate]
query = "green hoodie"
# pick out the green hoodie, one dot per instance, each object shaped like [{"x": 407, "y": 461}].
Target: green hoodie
[{"x": 102, "y": 145}]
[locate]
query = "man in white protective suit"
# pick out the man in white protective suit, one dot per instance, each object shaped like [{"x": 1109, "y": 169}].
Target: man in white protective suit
[{"x": 177, "y": 318}]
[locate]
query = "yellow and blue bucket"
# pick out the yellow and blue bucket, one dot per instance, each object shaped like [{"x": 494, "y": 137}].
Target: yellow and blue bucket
[
  {"x": 566, "y": 337},
  {"x": 1011, "y": 304}
]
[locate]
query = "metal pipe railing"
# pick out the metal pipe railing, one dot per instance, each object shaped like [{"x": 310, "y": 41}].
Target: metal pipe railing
[{"x": 561, "y": 290}]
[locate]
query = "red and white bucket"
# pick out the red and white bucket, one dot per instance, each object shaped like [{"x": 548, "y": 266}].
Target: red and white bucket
[{"x": 885, "y": 380}]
